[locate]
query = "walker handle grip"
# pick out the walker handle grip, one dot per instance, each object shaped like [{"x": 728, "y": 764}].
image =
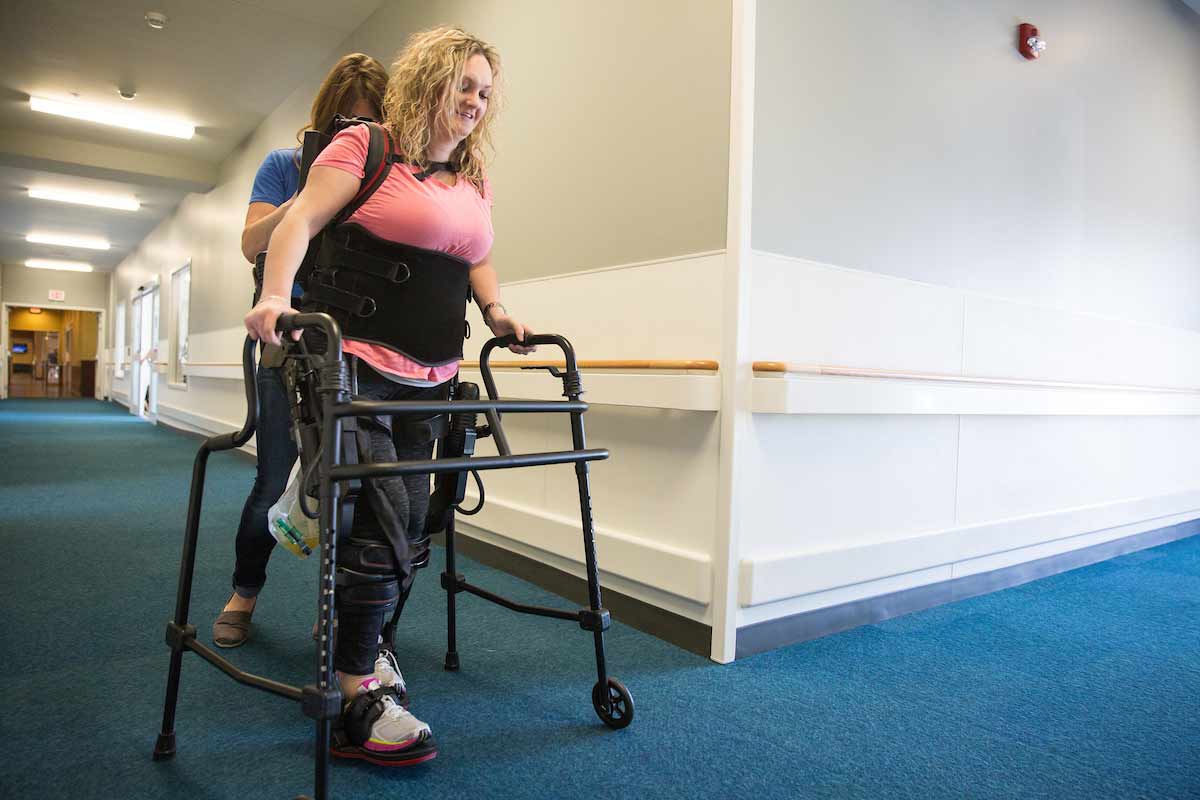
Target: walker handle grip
[
  {"x": 286, "y": 323},
  {"x": 560, "y": 342},
  {"x": 534, "y": 339}
]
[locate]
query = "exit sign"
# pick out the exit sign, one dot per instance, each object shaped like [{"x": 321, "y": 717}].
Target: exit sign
[{"x": 58, "y": 295}]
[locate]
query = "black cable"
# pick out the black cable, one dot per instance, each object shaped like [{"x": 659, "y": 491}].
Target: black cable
[
  {"x": 479, "y": 506},
  {"x": 305, "y": 480}
]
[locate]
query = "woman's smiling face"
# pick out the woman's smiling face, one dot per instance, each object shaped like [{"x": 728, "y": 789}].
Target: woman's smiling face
[{"x": 471, "y": 96}]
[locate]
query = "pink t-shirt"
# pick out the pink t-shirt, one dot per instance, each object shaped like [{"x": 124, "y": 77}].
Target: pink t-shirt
[{"x": 453, "y": 219}]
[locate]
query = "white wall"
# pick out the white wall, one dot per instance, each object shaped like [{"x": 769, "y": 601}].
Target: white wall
[
  {"x": 928, "y": 205},
  {"x": 912, "y": 139}
]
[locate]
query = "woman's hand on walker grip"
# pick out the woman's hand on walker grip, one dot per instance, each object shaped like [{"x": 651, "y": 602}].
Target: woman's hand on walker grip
[
  {"x": 260, "y": 322},
  {"x": 503, "y": 325}
]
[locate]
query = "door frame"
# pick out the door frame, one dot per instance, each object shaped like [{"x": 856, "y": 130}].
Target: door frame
[
  {"x": 141, "y": 374},
  {"x": 101, "y": 352}
]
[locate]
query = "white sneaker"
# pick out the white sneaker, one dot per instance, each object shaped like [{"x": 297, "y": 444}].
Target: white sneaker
[
  {"x": 387, "y": 671},
  {"x": 376, "y": 728},
  {"x": 396, "y": 727}
]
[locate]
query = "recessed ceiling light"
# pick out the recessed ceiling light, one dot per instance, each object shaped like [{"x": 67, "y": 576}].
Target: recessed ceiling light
[
  {"x": 34, "y": 310},
  {"x": 117, "y": 117},
  {"x": 68, "y": 240},
  {"x": 119, "y": 202},
  {"x": 49, "y": 263},
  {"x": 156, "y": 20}
]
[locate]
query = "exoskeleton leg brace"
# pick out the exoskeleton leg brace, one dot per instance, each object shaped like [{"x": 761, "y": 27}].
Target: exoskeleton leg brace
[{"x": 386, "y": 543}]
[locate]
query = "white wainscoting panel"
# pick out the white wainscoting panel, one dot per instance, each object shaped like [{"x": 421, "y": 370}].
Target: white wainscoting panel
[
  {"x": 836, "y": 482},
  {"x": 1013, "y": 466},
  {"x": 668, "y": 309},
  {"x": 862, "y": 486},
  {"x": 770, "y": 578},
  {"x": 222, "y": 346},
  {"x": 1014, "y": 339},
  {"x": 809, "y": 312},
  {"x": 657, "y": 488}
]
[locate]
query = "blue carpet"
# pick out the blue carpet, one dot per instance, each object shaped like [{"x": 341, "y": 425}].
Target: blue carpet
[{"x": 1081, "y": 685}]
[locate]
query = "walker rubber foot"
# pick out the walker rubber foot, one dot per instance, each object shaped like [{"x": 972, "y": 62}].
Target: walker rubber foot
[
  {"x": 451, "y": 662},
  {"x": 164, "y": 748}
]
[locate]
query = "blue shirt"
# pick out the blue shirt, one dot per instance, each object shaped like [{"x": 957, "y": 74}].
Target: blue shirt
[
  {"x": 276, "y": 182},
  {"x": 277, "y": 178}
]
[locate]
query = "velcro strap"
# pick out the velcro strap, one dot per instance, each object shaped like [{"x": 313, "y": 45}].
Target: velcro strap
[
  {"x": 356, "y": 304},
  {"x": 340, "y": 255}
]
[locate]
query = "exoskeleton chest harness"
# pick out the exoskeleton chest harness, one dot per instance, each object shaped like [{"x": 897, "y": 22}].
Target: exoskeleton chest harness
[{"x": 405, "y": 298}]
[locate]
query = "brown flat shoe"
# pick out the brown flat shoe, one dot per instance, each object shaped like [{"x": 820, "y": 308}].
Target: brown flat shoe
[{"x": 231, "y": 628}]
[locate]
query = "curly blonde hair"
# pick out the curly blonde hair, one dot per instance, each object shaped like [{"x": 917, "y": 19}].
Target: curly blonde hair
[
  {"x": 354, "y": 77},
  {"x": 421, "y": 92}
]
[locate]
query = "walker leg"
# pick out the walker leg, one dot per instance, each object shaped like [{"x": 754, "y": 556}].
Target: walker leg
[
  {"x": 593, "y": 571},
  {"x": 450, "y": 580},
  {"x": 178, "y": 630},
  {"x": 327, "y": 691}
]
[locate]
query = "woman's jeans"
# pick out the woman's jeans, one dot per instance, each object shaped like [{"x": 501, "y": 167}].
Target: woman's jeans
[{"x": 276, "y": 455}]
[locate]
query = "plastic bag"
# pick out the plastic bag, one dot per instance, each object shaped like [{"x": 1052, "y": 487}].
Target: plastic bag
[{"x": 298, "y": 534}]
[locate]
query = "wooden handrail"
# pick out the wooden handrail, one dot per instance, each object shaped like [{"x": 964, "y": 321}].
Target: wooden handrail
[
  {"x": 791, "y": 368},
  {"x": 638, "y": 364}
]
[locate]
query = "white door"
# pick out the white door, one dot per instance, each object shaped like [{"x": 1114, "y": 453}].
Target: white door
[
  {"x": 135, "y": 362},
  {"x": 143, "y": 398},
  {"x": 152, "y": 360},
  {"x": 5, "y": 356}
]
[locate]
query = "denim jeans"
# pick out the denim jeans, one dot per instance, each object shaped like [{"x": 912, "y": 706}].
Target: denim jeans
[{"x": 276, "y": 454}]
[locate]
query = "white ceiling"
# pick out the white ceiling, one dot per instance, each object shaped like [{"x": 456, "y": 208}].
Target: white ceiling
[{"x": 224, "y": 64}]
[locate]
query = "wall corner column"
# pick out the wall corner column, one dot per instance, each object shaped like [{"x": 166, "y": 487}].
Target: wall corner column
[{"x": 735, "y": 345}]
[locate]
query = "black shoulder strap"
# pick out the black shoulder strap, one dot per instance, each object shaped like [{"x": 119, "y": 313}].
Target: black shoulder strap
[{"x": 375, "y": 171}]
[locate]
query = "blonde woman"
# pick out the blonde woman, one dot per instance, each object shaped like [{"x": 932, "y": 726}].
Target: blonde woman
[
  {"x": 431, "y": 216},
  {"x": 354, "y": 87}
]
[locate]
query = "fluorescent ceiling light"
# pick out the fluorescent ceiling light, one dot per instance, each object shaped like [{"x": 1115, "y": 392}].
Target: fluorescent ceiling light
[
  {"x": 122, "y": 203},
  {"x": 49, "y": 263},
  {"x": 68, "y": 240},
  {"x": 118, "y": 117}
]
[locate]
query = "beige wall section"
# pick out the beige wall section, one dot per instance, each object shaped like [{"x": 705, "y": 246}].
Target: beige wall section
[
  {"x": 612, "y": 147},
  {"x": 32, "y": 286}
]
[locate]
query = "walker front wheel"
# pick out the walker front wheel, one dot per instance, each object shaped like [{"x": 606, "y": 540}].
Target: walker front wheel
[{"x": 613, "y": 703}]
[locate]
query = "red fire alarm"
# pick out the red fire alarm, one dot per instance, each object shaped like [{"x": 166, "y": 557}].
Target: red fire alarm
[{"x": 1028, "y": 42}]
